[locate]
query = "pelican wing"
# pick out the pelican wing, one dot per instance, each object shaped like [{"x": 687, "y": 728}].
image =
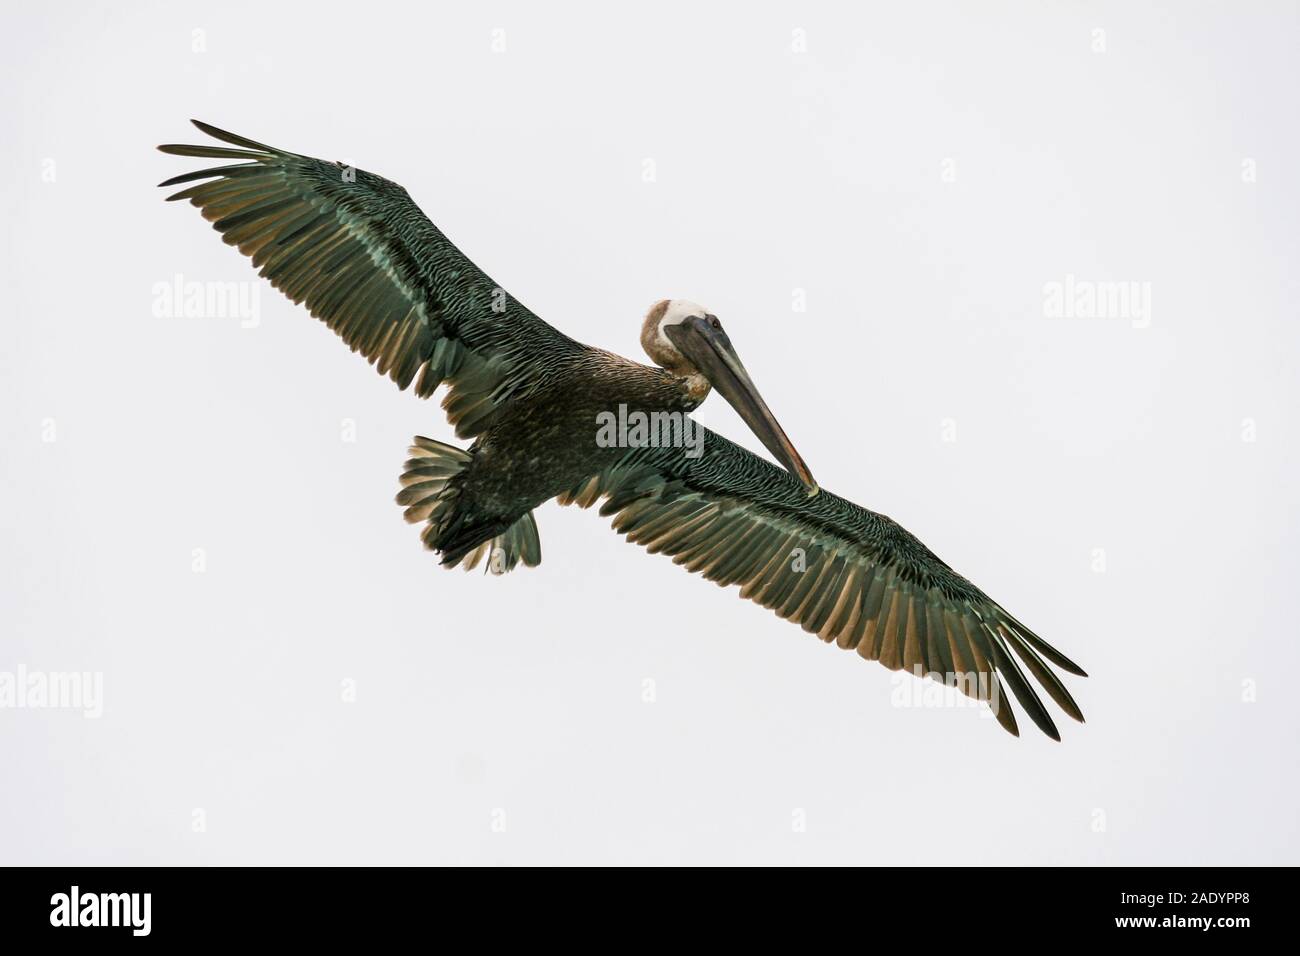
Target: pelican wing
[
  {"x": 842, "y": 572},
  {"x": 361, "y": 256}
]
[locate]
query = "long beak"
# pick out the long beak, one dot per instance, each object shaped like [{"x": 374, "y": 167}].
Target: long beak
[{"x": 712, "y": 353}]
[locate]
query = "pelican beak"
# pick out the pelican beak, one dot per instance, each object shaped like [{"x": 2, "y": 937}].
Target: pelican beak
[{"x": 702, "y": 340}]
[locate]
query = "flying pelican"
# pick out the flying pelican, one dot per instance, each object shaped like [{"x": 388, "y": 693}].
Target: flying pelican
[{"x": 363, "y": 258}]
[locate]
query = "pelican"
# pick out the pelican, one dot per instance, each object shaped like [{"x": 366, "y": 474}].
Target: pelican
[{"x": 364, "y": 259}]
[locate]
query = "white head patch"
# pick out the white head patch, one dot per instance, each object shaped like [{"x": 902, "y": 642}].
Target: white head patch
[{"x": 678, "y": 311}]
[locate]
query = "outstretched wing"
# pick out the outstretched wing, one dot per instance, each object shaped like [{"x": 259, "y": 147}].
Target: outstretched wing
[
  {"x": 361, "y": 256},
  {"x": 840, "y": 571}
]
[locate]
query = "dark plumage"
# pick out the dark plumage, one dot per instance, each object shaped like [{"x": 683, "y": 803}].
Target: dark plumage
[{"x": 362, "y": 257}]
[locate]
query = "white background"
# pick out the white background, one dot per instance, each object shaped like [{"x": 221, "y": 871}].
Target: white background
[{"x": 1100, "y": 485}]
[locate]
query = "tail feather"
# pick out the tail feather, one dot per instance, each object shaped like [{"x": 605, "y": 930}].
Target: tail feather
[{"x": 430, "y": 496}]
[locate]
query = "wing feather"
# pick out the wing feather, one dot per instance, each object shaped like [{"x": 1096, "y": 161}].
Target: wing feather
[
  {"x": 848, "y": 575},
  {"x": 361, "y": 256}
]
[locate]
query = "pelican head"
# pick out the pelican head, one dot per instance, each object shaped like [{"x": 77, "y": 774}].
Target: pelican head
[{"x": 687, "y": 340}]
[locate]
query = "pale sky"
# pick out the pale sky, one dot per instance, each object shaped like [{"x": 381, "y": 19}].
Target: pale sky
[{"x": 882, "y": 206}]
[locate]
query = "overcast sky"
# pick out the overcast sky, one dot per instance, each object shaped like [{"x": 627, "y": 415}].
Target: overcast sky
[{"x": 901, "y": 215}]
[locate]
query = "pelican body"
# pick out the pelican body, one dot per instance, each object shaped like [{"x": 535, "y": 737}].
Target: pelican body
[{"x": 363, "y": 258}]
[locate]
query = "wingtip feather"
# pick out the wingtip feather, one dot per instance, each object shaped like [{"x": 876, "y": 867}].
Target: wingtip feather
[{"x": 228, "y": 137}]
